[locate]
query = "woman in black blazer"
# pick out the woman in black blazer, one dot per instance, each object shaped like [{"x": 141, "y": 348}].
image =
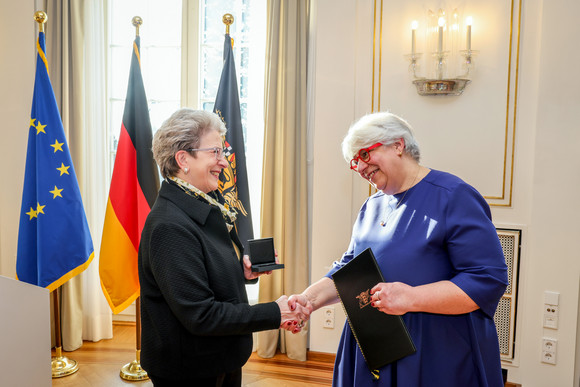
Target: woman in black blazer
[{"x": 196, "y": 321}]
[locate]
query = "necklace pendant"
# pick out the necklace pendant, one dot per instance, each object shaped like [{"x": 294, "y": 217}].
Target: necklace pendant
[{"x": 382, "y": 223}]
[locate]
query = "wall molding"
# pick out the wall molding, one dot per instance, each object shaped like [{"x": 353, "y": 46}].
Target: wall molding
[{"x": 499, "y": 191}]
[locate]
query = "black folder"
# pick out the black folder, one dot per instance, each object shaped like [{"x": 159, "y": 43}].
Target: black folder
[{"x": 382, "y": 338}]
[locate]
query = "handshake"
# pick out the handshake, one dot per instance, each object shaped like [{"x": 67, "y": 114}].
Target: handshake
[{"x": 295, "y": 311}]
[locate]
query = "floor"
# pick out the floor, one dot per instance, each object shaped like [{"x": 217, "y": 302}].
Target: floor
[{"x": 100, "y": 364}]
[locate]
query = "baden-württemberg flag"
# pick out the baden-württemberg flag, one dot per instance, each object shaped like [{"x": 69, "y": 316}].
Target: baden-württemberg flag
[
  {"x": 234, "y": 179},
  {"x": 54, "y": 242}
]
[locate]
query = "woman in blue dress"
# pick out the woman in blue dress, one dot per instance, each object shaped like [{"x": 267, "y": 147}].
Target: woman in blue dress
[{"x": 441, "y": 259}]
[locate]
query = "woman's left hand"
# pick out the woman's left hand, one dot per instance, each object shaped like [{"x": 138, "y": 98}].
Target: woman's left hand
[
  {"x": 392, "y": 297},
  {"x": 248, "y": 273},
  {"x": 442, "y": 297}
]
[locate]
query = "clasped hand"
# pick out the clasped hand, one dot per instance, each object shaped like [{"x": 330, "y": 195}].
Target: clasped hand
[{"x": 295, "y": 312}]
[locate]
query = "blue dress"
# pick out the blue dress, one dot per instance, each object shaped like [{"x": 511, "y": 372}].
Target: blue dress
[{"x": 441, "y": 230}]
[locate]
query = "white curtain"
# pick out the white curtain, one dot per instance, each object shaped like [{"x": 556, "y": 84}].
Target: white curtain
[{"x": 97, "y": 316}]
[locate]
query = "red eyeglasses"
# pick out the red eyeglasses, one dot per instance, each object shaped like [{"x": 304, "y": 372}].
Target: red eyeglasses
[{"x": 364, "y": 154}]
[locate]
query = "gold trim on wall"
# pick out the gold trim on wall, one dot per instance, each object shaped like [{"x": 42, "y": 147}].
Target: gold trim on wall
[
  {"x": 505, "y": 198},
  {"x": 374, "y": 55},
  {"x": 511, "y": 177},
  {"x": 374, "y": 48},
  {"x": 373, "y": 190}
]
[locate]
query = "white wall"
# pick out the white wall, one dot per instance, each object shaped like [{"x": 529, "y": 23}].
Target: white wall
[
  {"x": 333, "y": 106},
  {"x": 546, "y": 168},
  {"x": 25, "y": 334},
  {"x": 18, "y": 47},
  {"x": 554, "y": 262}
]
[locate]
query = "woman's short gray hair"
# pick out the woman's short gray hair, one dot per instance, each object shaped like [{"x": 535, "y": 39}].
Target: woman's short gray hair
[
  {"x": 383, "y": 127},
  {"x": 183, "y": 130}
]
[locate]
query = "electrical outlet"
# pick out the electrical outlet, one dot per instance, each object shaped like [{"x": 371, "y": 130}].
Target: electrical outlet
[
  {"x": 328, "y": 317},
  {"x": 548, "y": 357},
  {"x": 549, "y": 349},
  {"x": 549, "y": 344}
]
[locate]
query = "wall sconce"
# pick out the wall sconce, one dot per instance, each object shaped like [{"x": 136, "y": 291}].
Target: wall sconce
[{"x": 443, "y": 40}]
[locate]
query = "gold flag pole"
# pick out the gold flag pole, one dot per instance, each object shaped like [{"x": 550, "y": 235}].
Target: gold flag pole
[
  {"x": 137, "y": 21},
  {"x": 228, "y": 20},
  {"x": 133, "y": 371},
  {"x": 41, "y": 17},
  {"x": 60, "y": 365}
]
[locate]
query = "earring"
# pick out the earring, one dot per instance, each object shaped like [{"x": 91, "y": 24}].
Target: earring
[{"x": 185, "y": 169}]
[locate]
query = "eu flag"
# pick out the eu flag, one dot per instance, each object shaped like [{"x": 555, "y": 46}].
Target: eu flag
[
  {"x": 234, "y": 179},
  {"x": 54, "y": 242}
]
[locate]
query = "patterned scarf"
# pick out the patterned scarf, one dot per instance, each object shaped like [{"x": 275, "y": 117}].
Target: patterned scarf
[{"x": 228, "y": 215}]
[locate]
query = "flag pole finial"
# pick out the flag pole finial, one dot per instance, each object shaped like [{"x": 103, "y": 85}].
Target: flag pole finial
[
  {"x": 137, "y": 21},
  {"x": 228, "y": 20},
  {"x": 41, "y": 17}
]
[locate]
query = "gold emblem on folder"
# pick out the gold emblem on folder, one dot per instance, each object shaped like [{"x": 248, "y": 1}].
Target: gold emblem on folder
[{"x": 364, "y": 298}]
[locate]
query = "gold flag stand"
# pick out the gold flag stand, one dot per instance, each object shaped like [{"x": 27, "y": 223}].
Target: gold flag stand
[
  {"x": 133, "y": 371},
  {"x": 61, "y": 365}
]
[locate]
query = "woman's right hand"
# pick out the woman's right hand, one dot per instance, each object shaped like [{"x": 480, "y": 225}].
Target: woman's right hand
[
  {"x": 301, "y": 299},
  {"x": 321, "y": 293},
  {"x": 292, "y": 319}
]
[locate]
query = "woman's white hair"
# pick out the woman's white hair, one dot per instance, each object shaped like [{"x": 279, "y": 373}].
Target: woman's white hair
[
  {"x": 383, "y": 127},
  {"x": 183, "y": 130}
]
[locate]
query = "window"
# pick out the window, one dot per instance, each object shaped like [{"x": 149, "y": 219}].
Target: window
[
  {"x": 160, "y": 59},
  {"x": 181, "y": 62},
  {"x": 249, "y": 34}
]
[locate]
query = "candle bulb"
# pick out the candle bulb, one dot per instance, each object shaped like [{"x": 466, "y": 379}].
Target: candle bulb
[
  {"x": 440, "y": 36},
  {"x": 469, "y": 21},
  {"x": 414, "y": 25}
]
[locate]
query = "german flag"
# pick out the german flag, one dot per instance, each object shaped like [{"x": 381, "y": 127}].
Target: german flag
[{"x": 133, "y": 191}]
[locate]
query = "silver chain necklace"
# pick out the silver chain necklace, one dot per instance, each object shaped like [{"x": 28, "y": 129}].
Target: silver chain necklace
[{"x": 383, "y": 222}]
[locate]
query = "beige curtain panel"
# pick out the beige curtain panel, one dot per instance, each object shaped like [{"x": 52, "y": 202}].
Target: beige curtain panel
[
  {"x": 64, "y": 38},
  {"x": 284, "y": 186},
  {"x": 75, "y": 36}
]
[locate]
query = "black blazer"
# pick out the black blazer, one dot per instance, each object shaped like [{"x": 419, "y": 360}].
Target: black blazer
[{"x": 196, "y": 321}]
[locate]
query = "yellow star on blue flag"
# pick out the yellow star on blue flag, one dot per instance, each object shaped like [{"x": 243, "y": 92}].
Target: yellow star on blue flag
[
  {"x": 57, "y": 146},
  {"x": 54, "y": 242},
  {"x": 56, "y": 192}
]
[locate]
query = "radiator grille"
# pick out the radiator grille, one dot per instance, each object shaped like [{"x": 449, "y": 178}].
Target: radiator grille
[
  {"x": 507, "y": 244},
  {"x": 506, "y": 310},
  {"x": 503, "y": 325}
]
